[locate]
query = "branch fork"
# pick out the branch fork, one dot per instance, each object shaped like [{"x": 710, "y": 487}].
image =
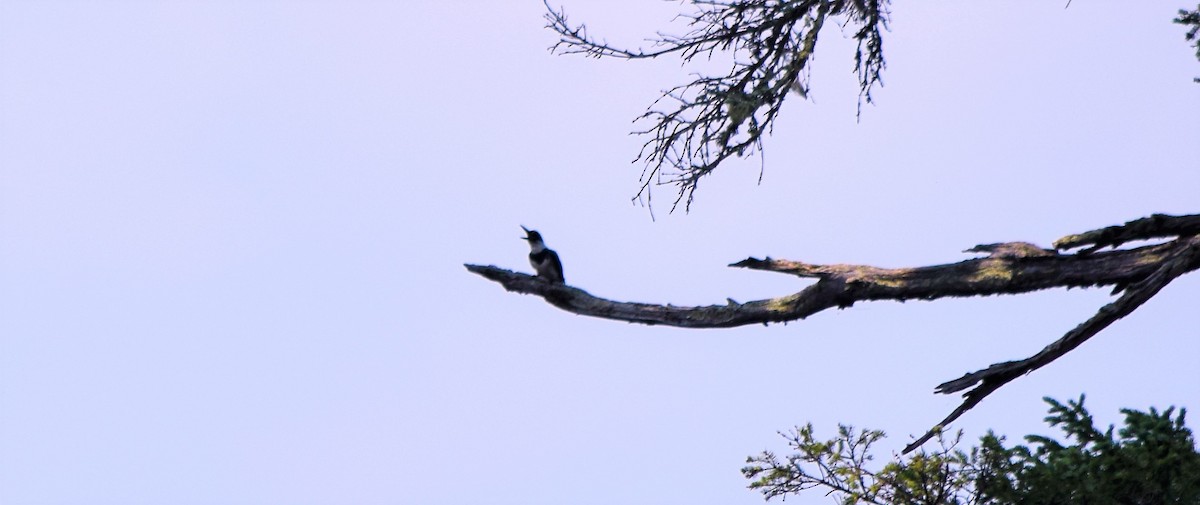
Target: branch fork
[{"x": 1137, "y": 274}]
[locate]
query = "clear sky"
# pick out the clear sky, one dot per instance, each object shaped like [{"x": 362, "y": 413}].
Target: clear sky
[{"x": 232, "y": 237}]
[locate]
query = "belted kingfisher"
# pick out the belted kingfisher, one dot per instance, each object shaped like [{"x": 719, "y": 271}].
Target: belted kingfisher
[{"x": 545, "y": 261}]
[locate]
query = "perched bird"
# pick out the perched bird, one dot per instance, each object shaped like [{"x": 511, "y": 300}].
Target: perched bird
[{"x": 545, "y": 261}]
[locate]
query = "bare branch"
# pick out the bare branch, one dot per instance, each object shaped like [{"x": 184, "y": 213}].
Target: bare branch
[
  {"x": 843, "y": 285},
  {"x": 1147, "y": 228},
  {"x": 1183, "y": 257},
  {"x": 714, "y": 118},
  {"x": 1008, "y": 268},
  {"x": 578, "y": 301}
]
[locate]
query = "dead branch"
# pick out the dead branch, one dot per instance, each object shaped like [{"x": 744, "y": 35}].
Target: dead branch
[
  {"x": 1008, "y": 268},
  {"x": 694, "y": 127},
  {"x": 1148, "y": 228},
  {"x": 1182, "y": 258}
]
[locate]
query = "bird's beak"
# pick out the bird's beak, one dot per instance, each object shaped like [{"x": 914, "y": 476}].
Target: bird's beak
[{"x": 526, "y": 233}]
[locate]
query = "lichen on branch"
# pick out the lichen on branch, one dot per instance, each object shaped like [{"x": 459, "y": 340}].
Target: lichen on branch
[{"x": 1136, "y": 274}]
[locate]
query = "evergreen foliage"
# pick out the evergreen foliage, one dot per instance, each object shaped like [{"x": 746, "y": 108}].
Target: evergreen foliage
[{"x": 1151, "y": 460}]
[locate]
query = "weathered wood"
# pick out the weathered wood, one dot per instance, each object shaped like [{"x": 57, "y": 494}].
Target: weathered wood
[
  {"x": 1008, "y": 268},
  {"x": 1146, "y": 228},
  {"x": 1183, "y": 258},
  {"x": 844, "y": 285}
]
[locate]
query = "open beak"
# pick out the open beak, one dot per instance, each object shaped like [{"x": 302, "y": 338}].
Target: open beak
[{"x": 526, "y": 233}]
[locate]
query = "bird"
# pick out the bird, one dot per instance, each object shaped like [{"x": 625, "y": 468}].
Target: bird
[{"x": 545, "y": 261}]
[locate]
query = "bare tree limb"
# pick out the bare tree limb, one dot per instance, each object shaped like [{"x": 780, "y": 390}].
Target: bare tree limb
[
  {"x": 769, "y": 45},
  {"x": 1183, "y": 257},
  {"x": 1147, "y": 228},
  {"x": 1008, "y": 268},
  {"x": 842, "y": 286}
]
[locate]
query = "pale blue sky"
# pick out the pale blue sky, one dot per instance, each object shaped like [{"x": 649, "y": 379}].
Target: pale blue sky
[{"x": 233, "y": 236}]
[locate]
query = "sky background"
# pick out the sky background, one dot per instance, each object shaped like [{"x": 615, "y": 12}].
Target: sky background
[{"x": 232, "y": 237}]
